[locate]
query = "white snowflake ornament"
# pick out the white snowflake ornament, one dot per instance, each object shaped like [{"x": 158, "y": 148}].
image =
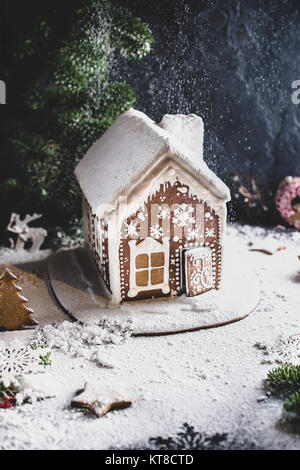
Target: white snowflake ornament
[
  {"x": 17, "y": 361},
  {"x": 285, "y": 350}
]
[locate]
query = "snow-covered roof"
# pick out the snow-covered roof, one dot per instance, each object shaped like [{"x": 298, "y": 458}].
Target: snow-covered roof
[{"x": 132, "y": 145}]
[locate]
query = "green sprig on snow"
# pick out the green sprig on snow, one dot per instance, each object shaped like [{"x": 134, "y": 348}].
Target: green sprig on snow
[{"x": 285, "y": 381}]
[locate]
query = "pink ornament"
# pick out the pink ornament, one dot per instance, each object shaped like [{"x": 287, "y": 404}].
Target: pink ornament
[{"x": 289, "y": 189}]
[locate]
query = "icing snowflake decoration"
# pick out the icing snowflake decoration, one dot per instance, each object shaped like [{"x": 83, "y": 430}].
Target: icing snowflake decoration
[
  {"x": 131, "y": 229},
  {"x": 184, "y": 215},
  {"x": 192, "y": 234},
  {"x": 210, "y": 232},
  {"x": 156, "y": 231},
  {"x": 18, "y": 361},
  {"x": 163, "y": 212}
]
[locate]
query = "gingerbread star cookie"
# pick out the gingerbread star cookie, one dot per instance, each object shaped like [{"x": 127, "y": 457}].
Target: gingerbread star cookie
[{"x": 100, "y": 401}]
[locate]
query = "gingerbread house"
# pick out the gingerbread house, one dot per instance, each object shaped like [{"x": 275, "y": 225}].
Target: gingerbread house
[{"x": 154, "y": 214}]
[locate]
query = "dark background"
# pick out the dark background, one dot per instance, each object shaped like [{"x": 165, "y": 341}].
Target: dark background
[
  {"x": 230, "y": 61},
  {"x": 17, "y": 20}
]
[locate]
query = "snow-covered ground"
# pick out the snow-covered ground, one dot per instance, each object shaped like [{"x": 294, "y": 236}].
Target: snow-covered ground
[{"x": 211, "y": 379}]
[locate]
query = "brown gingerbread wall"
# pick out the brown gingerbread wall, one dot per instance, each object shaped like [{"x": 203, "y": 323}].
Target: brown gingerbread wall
[
  {"x": 97, "y": 242},
  {"x": 201, "y": 228}
]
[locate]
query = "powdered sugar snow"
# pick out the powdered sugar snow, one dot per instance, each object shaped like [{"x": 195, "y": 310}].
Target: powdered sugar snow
[
  {"x": 84, "y": 339},
  {"x": 212, "y": 379}
]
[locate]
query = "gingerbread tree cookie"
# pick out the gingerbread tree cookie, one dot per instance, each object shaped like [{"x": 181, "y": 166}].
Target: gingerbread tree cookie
[{"x": 14, "y": 314}]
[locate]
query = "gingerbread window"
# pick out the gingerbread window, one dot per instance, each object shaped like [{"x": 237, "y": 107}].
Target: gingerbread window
[
  {"x": 149, "y": 266},
  {"x": 142, "y": 261},
  {"x": 157, "y": 276},
  {"x": 148, "y": 274},
  {"x": 157, "y": 259},
  {"x": 142, "y": 278}
]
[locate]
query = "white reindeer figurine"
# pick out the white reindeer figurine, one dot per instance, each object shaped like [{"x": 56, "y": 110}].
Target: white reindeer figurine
[{"x": 25, "y": 233}]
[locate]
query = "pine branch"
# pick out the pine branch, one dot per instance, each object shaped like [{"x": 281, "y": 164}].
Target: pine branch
[
  {"x": 292, "y": 403},
  {"x": 68, "y": 105},
  {"x": 284, "y": 379}
]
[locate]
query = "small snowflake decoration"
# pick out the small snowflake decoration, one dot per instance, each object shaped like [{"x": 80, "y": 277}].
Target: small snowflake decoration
[
  {"x": 163, "y": 212},
  {"x": 131, "y": 229},
  {"x": 285, "y": 350},
  {"x": 18, "y": 361},
  {"x": 192, "y": 234},
  {"x": 156, "y": 231},
  {"x": 184, "y": 215},
  {"x": 210, "y": 232}
]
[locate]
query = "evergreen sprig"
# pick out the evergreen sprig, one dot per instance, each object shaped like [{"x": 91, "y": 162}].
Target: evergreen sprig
[
  {"x": 285, "y": 380},
  {"x": 292, "y": 403},
  {"x": 46, "y": 359},
  {"x": 68, "y": 103}
]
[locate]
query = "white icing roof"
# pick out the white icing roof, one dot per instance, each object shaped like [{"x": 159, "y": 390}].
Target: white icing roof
[{"x": 132, "y": 144}]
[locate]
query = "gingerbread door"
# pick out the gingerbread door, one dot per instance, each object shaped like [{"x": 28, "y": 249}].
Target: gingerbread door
[{"x": 198, "y": 273}]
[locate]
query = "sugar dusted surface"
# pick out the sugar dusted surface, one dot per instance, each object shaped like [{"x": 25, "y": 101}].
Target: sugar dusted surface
[
  {"x": 77, "y": 285},
  {"x": 212, "y": 379}
]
